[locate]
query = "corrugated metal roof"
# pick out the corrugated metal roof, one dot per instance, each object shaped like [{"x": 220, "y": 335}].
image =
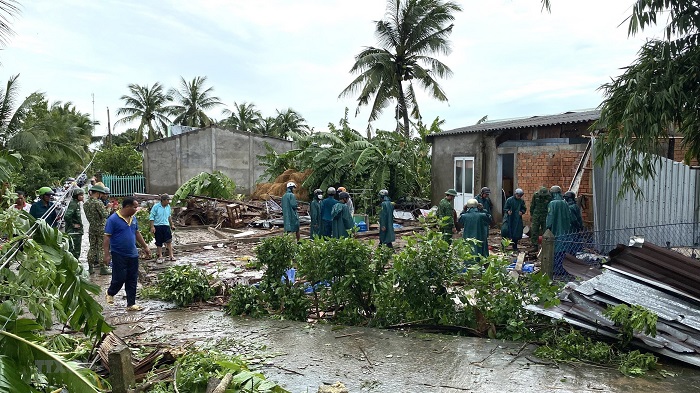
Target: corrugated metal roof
[{"x": 526, "y": 122}]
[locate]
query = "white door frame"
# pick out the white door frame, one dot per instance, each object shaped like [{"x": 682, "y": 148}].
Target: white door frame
[{"x": 465, "y": 190}]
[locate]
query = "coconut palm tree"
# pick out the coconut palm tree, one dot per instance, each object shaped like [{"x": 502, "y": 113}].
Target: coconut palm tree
[
  {"x": 193, "y": 99},
  {"x": 11, "y": 114},
  {"x": 267, "y": 126},
  {"x": 412, "y": 31},
  {"x": 59, "y": 130},
  {"x": 146, "y": 106},
  {"x": 290, "y": 121},
  {"x": 8, "y": 9},
  {"x": 244, "y": 117}
]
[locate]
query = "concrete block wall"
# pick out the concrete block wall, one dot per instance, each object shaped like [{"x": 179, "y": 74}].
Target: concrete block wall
[
  {"x": 170, "y": 162},
  {"x": 547, "y": 168}
]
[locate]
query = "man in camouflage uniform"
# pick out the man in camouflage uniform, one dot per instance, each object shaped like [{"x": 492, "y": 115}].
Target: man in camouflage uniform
[
  {"x": 74, "y": 221},
  {"x": 96, "y": 214},
  {"x": 538, "y": 210},
  {"x": 447, "y": 211}
]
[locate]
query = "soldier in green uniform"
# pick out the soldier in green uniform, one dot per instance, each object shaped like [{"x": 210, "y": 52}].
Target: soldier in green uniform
[
  {"x": 342, "y": 220},
  {"x": 290, "y": 215},
  {"x": 386, "y": 220},
  {"x": 315, "y": 213},
  {"x": 513, "y": 216},
  {"x": 446, "y": 210},
  {"x": 74, "y": 221},
  {"x": 96, "y": 214},
  {"x": 475, "y": 221},
  {"x": 538, "y": 212}
]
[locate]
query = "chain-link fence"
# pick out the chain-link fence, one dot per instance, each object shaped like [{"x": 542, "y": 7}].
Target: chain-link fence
[
  {"x": 681, "y": 237},
  {"x": 593, "y": 246}
]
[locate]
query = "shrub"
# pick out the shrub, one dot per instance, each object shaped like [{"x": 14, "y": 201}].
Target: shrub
[
  {"x": 416, "y": 287},
  {"x": 277, "y": 254},
  {"x": 245, "y": 300},
  {"x": 184, "y": 285}
]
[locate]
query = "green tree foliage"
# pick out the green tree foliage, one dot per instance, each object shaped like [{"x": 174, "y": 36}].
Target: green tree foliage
[
  {"x": 657, "y": 96},
  {"x": 43, "y": 284},
  {"x": 214, "y": 185},
  {"x": 12, "y": 113},
  {"x": 118, "y": 160},
  {"x": 195, "y": 368},
  {"x": 245, "y": 117},
  {"x": 289, "y": 122},
  {"x": 411, "y": 32},
  {"x": 344, "y": 157},
  {"x": 8, "y": 9},
  {"x": 146, "y": 106},
  {"x": 192, "y": 99},
  {"x": 9, "y": 162},
  {"x": 53, "y": 141}
]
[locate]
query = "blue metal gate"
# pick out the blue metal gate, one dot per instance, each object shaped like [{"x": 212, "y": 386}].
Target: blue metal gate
[{"x": 124, "y": 185}]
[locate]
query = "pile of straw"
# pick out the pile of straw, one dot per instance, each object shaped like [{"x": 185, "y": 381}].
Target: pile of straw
[{"x": 278, "y": 188}]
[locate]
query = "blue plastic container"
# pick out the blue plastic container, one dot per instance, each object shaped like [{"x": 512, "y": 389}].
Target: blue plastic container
[{"x": 362, "y": 226}]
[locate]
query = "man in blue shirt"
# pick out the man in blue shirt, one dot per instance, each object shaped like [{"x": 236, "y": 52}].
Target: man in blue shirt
[
  {"x": 121, "y": 235},
  {"x": 162, "y": 225},
  {"x": 43, "y": 205}
]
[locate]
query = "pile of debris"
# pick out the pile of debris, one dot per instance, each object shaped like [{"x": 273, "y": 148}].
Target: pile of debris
[
  {"x": 661, "y": 280},
  {"x": 263, "y": 191}
]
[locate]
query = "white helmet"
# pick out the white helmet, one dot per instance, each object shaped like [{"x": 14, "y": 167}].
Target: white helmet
[
  {"x": 291, "y": 184},
  {"x": 383, "y": 192},
  {"x": 330, "y": 191},
  {"x": 472, "y": 203}
]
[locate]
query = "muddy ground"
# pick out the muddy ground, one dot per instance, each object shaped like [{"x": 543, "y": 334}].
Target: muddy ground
[{"x": 302, "y": 356}]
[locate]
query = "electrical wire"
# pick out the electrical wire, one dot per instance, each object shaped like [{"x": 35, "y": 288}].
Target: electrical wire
[{"x": 10, "y": 253}]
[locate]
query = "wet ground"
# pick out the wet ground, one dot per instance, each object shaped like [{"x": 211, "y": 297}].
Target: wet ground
[{"x": 301, "y": 357}]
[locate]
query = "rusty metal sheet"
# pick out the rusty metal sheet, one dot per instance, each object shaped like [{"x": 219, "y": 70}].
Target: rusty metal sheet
[{"x": 661, "y": 265}]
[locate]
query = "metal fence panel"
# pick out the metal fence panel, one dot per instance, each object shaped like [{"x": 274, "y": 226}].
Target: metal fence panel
[
  {"x": 124, "y": 185},
  {"x": 668, "y": 199}
]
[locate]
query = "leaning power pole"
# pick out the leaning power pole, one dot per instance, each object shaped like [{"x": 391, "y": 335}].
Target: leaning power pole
[{"x": 109, "y": 130}]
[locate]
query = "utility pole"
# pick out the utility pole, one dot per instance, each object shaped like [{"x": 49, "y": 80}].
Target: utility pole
[
  {"x": 109, "y": 130},
  {"x": 93, "y": 114}
]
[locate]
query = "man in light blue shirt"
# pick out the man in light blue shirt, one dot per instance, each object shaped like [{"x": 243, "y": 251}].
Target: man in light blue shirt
[{"x": 162, "y": 225}]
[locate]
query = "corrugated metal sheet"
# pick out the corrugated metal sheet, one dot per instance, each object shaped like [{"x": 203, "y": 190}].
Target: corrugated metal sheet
[
  {"x": 670, "y": 198},
  {"x": 659, "y": 264},
  {"x": 653, "y": 277},
  {"x": 526, "y": 122}
]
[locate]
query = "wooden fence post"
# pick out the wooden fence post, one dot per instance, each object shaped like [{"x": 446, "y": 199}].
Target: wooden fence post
[{"x": 547, "y": 254}]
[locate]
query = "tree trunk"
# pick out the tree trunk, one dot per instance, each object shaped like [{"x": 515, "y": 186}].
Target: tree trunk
[{"x": 403, "y": 112}]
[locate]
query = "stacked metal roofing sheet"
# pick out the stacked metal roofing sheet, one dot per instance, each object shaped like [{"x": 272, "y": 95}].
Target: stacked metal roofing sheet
[{"x": 661, "y": 280}]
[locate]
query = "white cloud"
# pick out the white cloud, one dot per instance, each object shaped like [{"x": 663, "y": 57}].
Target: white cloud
[{"x": 509, "y": 58}]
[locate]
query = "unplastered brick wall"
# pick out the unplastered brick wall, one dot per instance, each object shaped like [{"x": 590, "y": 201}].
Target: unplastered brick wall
[{"x": 535, "y": 169}]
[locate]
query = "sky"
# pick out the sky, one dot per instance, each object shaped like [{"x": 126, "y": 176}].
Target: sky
[{"x": 509, "y": 58}]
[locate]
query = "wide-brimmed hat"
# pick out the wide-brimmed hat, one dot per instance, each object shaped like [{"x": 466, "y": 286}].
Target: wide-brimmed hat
[
  {"x": 98, "y": 188},
  {"x": 451, "y": 191}
]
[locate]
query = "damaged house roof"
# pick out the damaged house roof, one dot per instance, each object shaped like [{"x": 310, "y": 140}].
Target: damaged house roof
[
  {"x": 525, "y": 122},
  {"x": 661, "y": 280}
]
